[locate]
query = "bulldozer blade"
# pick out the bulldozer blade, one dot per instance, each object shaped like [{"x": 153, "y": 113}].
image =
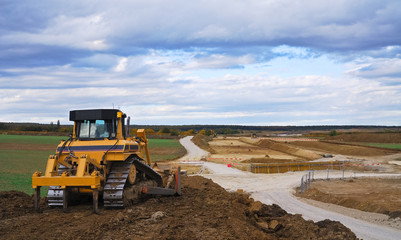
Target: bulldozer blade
[{"x": 158, "y": 191}]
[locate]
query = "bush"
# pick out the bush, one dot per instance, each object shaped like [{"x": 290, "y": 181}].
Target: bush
[
  {"x": 333, "y": 133},
  {"x": 165, "y": 130},
  {"x": 174, "y": 132}
]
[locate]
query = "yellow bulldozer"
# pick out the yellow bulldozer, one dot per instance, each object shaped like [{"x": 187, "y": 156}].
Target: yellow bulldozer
[{"x": 101, "y": 160}]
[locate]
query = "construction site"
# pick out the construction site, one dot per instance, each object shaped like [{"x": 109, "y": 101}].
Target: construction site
[
  {"x": 229, "y": 187},
  {"x": 273, "y": 119}
]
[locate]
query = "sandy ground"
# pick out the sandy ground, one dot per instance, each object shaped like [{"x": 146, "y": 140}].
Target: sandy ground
[
  {"x": 377, "y": 195},
  {"x": 235, "y": 148},
  {"x": 278, "y": 188},
  {"x": 376, "y": 218}
]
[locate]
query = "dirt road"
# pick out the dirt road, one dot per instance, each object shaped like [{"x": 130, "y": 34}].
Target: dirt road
[
  {"x": 193, "y": 152},
  {"x": 276, "y": 188}
]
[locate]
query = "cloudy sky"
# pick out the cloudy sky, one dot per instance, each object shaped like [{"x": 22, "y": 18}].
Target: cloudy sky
[{"x": 251, "y": 62}]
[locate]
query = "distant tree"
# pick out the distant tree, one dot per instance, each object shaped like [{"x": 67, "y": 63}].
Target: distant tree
[
  {"x": 189, "y": 132},
  {"x": 3, "y": 126},
  {"x": 35, "y": 128},
  {"x": 65, "y": 129},
  {"x": 174, "y": 132},
  {"x": 58, "y": 124},
  {"x": 333, "y": 133},
  {"x": 226, "y": 131},
  {"x": 165, "y": 130},
  {"x": 149, "y": 131}
]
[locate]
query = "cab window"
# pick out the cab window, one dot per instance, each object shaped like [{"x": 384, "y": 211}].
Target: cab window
[{"x": 96, "y": 129}]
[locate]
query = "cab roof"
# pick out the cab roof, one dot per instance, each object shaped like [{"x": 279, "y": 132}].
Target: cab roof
[{"x": 93, "y": 114}]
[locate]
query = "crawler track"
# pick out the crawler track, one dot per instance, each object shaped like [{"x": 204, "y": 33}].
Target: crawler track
[
  {"x": 55, "y": 193},
  {"x": 118, "y": 192}
]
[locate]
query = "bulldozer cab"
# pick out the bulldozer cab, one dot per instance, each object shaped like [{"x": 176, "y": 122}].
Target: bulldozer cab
[{"x": 98, "y": 124}]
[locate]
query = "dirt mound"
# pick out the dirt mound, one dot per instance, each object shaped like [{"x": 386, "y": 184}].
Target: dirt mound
[
  {"x": 288, "y": 149},
  {"x": 344, "y": 149},
  {"x": 204, "y": 211},
  {"x": 368, "y": 137},
  {"x": 202, "y": 141},
  {"x": 14, "y": 204}
]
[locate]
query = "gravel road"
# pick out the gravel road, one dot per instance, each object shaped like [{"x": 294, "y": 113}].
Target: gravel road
[
  {"x": 194, "y": 153},
  {"x": 277, "y": 188}
]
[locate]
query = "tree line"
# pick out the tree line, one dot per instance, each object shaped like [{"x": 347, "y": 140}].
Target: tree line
[{"x": 184, "y": 130}]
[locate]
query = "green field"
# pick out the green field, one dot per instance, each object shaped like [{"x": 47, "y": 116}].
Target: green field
[
  {"x": 25, "y": 139},
  {"x": 165, "y": 149},
  {"x": 385, "y": 145},
  {"x": 17, "y": 166}
]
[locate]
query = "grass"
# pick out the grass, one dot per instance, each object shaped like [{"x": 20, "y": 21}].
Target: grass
[
  {"x": 17, "y": 166},
  {"x": 385, "y": 145},
  {"x": 25, "y": 139},
  {"x": 165, "y": 143},
  {"x": 165, "y": 149}
]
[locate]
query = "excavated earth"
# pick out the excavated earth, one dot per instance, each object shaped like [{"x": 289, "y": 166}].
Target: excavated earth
[
  {"x": 204, "y": 211},
  {"x": 365, "y": 194}
]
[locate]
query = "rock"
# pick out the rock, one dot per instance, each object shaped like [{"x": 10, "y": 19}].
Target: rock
[
  {"x": 266, "y": 210},
  {"x": 274, "y": 225},
  {"x": 119, "y": 217},
  {"x": 255, "y": 207},
  {"x": 157, "y": 216},
  {"x": 263, "y": 225}
]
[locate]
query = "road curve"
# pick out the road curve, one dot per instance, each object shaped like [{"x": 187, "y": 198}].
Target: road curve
[{"x": 193, "y": 152}]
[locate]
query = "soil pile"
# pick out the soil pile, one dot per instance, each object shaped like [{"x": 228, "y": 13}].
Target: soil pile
[
  {"x": 204, "y": 211},
  {"x": 14, "y": 204},
  {"x": 202, "y": 141},
  {"x": 288, "y": 149}
]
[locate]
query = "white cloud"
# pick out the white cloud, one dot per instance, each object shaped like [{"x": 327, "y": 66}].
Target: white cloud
[
  {"x": 122, "y": 65},
  {"x": 174, "y": 24},
  {"x": 220, "y": 61},
  {"x": 316, "y": 62},
  {"x": 377, "y": 67},
  {"x": 87, "y": 32}
]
